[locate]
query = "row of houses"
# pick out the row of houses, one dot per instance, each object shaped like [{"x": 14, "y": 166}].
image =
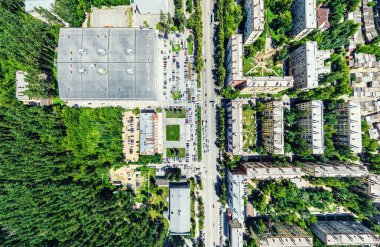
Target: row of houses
[
  {"x": 331, "y": 233},
  {"x": 348, "y": 128},
  {"x": 279, "y": 234}
]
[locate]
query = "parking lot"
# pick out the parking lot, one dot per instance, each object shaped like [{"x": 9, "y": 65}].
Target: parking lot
[{"x": 179, "y": 82}]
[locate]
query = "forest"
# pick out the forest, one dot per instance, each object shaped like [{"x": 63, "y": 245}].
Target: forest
[
  {"x": 54, "y": 185},
  {"x": 54, "y": 161}
]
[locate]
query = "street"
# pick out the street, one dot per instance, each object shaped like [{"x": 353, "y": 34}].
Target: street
[{"x": 212, "y": 229}]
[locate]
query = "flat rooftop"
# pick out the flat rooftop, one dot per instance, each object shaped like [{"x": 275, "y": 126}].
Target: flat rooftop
[
  {"x": 179, "y": 207},
  {"x": 107, "y": 64}
]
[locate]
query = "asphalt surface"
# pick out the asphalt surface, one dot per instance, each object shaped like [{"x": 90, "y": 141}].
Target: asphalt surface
[{"x": 212, "y": 231}]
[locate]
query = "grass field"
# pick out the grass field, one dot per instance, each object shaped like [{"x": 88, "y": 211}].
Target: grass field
[
  {"x": 248, "y": 128},
  {"x": 178, "y": 113},
  {"x": 176, "y": 47},
  {"x": 176, "y": 95},
  {"x": 190, "y": 47},
  {"x": 175, "y": 153},
  {"x": 172, "y": 132}
]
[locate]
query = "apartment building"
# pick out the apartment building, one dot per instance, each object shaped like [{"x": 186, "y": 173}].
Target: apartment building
[
  {"x": 348, "y": 129},
  {"x": 235, "y": 233},
  {"x": 334, "y": 169},
  {"x": 250, "y": 84},
  {"x": 235, "y": 127},
  {"x": 234, "y": 59},
  {"x": 267, "y": 170},
  {"x": 236, "y": 193},
  {"x": 306, "y": 64},
  {"x": 373, "y": 121},
  {"x": 344, "y": 233},
  {"x": 370, "y": 186},
  {"x": 265, "y": 84},
  {"x": 311, "y": 122},
  {"x": 273, "y": 127},
  {"x": 254, "y": 23},
  {"x": 282, "y": 235},
  {"x": 304, "y": 18},
  {"x": 369, "y": 107},
  {"x": 369, "y": 29}
]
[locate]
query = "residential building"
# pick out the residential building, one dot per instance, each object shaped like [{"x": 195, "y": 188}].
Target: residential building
[
  {"x": 370, "y": 186},
  {"x": 273, "y": 127},
  {"x": 265, "y": 84},
  {"x": 235, "y": 233},
  {"x": 323, "y": 18},
  {"x": 254, "y": 23},
  {"x": 348, "y": 129},
  {"x": 334, "y": 169},
  {"x": 179, "y": 208},
  {"x": 311, "y": 123},
  {"x": 236, "y": 193},
  {"x": 283, "y": 235},
  {"x": 369, "y": 29},
  {"x": 307, "y": 63},
  {"x": 235, "y": 127},
  {"x": 373, "y": 121},
  {"x": 357, "y": 38},
  {"x": 107, "y": 64},
  {"x": 344, "y": 233},
  {"x": 369, "y": 107},
  {"x": 234, "y": 59},
  {"x": 150, "y": 132},
  {"x": 267, "y": 170},
  {"x": 365, "y": 75},
  {"x": 304, "y": 18}
]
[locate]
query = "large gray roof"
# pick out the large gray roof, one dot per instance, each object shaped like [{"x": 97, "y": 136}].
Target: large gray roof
[
  {"x": 107, "y": 63},
  {"x": 30, "y": 5},
  {"x": 152, "y": 6},
  {"x": 179, "y": 208}
]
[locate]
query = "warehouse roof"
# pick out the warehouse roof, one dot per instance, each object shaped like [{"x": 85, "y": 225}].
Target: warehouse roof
[
  {"x": 107, "y": 63},
  {"x": 179, "y": 207},
  {"x": 152, "y": 6}
]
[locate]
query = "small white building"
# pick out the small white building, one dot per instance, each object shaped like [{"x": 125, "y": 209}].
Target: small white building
[{"x": 32, "y": 5}]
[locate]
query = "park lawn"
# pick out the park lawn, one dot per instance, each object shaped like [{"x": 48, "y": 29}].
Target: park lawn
[
  {"x": 178, "y": 113},
  {"x": 248, "y": 128},
  {"x": 175, "y": 153},
  {"x": 190, "y": 48},
  {"x": 172, "y": 132},
  {"x": 176, "y": 95},
  {"x": 176, "y": 47}
]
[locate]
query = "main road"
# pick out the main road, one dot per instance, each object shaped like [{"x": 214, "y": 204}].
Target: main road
[{"x": 212, "y": 231}]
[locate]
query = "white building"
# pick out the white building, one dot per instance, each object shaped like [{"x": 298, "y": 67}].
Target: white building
[
  {"x": 179, "y": 208},
  {"x": 334, "y": 169},
  {"x": 235, "y": 127},
  {"x": 349, "y": 130},
  {"x": 312, "y": 124},
  {"x": 273, "y": 127},
  {"x": 265, "y": 84},
  {"x": 254, "y": 24},
  {"x": 304, "y": 18},
  {"x": 267, "y": 170},
  {"x": 344, "y": 233},
  {"x": 31, "y": 7},
  {"x": 234, "y": 59},
  {"x": 236, "y": 193},
  {"x": 235, "y": 233},
  {"x": 306, "y": 64}
]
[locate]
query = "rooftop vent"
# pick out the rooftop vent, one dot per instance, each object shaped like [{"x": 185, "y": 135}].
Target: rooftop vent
[
  {"x": 130, "y": 71},
  {"x": 82, "y": 71},
  {"x": 101, "y": 52},
  {"x": 102, "y": 71},
  {"x": 82, "y": 51},
  {"x": 129, "y": 52}
]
